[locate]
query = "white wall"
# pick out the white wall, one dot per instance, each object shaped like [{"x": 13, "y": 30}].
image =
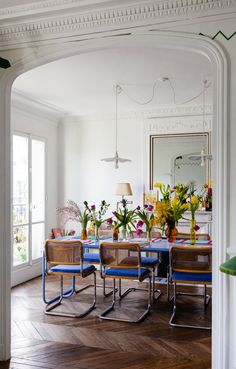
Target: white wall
[{"x": 83, "y": 143}]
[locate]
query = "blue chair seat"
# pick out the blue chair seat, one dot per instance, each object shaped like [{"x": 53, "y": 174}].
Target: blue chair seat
[
  {"x": 149, "y": 262},
  {"x": 73, "y": 268},
  {"x": 192, "y": 277},
  {"x": 123, "y": 272},
  {"x": 91, "y": 258}
]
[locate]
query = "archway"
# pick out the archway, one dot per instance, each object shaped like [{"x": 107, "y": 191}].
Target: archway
[{"x": 176, "y": 41}]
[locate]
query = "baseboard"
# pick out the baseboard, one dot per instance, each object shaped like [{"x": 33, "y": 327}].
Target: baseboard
[{"x": 25, "y": 274}]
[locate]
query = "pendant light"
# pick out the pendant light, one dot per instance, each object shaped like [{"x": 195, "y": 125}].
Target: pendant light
[{"x": 116, "y": 158}]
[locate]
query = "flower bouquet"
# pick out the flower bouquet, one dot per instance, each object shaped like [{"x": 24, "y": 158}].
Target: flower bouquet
[
  {"x": 168, "y": 214},
  {"x": 72, "y": 212},
  {"x": 125, "y": 218},
  {"x": 96, "y": 216},
  {"x": 194, "y": 202},
  {"x": 147, "y": 218}
]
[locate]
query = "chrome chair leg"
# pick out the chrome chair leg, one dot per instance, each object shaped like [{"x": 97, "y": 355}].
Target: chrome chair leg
[
  {"x": 171, "y": 321},
  {"x": 155, "y": 291},
  {"x": 104, "y": 314},
  {"x": 53, "y": 304}
]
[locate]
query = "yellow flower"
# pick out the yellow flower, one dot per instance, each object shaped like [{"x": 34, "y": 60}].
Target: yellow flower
[
  {"x": 194, "y": 200},
  {"x": 185, "y": 206},
  {"x": 175, "y": 201},
  {"x": 157, "y": 185}
]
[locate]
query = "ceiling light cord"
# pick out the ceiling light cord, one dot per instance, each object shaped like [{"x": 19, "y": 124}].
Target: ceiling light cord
[{"x": 163, "y": 79}]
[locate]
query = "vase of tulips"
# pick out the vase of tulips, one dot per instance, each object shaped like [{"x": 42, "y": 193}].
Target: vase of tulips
[
  {"x": 97, "y": 216},
  {"x": 147, "y": 218},
  {"x": 124, "y": 219}
]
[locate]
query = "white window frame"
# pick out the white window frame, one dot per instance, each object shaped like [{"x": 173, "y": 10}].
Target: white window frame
[{"x": 30, "y": 137}]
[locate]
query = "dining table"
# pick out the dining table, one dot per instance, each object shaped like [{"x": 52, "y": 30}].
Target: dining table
[{"x": 159, "y": 246}]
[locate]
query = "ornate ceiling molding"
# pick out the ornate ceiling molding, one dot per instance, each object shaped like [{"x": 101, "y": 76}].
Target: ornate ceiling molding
[{"x": 37, "y": 21}]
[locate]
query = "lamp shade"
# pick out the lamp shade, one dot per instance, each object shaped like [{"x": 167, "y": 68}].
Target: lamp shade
[
  {"x": 123, "y": 189},
  {"x": 229, "y": 267}
]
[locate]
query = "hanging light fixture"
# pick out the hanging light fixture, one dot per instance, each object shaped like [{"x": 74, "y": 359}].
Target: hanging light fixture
[
  {"x": 116, "y": 159},
  {"x": 202, "y": 156}
]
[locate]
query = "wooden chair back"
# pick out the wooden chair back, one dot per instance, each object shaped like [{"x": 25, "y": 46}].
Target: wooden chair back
[
  {"x": 64, "y": 252},
  {"x": 191, "y": 259},
  {"x": 118, "y": 255}
]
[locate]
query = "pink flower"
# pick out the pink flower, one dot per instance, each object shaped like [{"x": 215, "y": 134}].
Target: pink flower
[
  {"x": 93, "y": 207},
  {"x": 140, "y": 224},
  {"x": 139, "y": 232},
  {"x": 150, "y": 208},
  {"x": 109, "y": 221},
  {"x": 115, "y": 213},
  {"x": 145, "y": 206},
  {"x": 196, "y": 228},
  {"x": 138, "y": 208}
]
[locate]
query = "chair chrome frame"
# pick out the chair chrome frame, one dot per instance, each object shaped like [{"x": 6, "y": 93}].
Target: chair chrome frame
[
  {"x": 174, "y": 297},
  {"x": 137, "y": 265},
  {"x": 52, "y": 303},
  {"x": 103, "y": 285}
]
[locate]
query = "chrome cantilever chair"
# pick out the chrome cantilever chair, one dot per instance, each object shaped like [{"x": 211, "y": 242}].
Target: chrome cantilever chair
[
  {"x": 65, "y": 258},
  {"x": 117, "y": 263},
  {"x": 190, "y": 265}
]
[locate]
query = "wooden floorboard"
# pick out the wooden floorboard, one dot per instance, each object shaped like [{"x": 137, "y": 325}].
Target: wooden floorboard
[{"x": 40, "y": 341}]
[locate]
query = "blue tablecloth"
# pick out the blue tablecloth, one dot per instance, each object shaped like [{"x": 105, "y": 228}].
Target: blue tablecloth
[{"x": 156, "y": 246}]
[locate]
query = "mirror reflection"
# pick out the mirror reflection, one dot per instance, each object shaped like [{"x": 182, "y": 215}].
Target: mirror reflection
[{"x": 177, "y": 159}]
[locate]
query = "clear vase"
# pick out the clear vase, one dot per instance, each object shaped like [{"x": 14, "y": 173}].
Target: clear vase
[
  {"x": 124, "y": 232},
  {"x": 96, "y": 230},
  {"x": 149, "y": 235},
  {"x": 193, "y": 235}
]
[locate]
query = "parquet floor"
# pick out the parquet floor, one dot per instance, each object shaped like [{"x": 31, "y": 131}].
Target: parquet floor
[{"x": 50, "y": 342}]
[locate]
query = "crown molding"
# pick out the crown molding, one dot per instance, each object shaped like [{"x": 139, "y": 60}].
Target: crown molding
[
  {"x": 169, "y": 125},
  {"x": 150, "y": 117},
  {"x": 43, "y": 21},
  {"x": 27, "y": 104}
]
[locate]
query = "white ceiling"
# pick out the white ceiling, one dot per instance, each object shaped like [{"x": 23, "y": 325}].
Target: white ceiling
[{"x": 83, "y": 84}]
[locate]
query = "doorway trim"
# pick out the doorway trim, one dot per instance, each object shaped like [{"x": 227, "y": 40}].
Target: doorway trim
[{"x": 160, "y": 39}]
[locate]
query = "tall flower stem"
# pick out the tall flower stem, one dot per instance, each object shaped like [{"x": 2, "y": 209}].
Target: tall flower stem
[{"x": 192, "y": 231}]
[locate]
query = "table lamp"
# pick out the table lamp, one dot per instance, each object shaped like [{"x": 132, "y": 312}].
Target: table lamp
[
  {"x": 123, "y": 189},
  {"x": 229, "y": 267}
]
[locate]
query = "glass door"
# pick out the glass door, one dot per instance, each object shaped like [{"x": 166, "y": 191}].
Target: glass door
[{"x": 28, "y": 200}]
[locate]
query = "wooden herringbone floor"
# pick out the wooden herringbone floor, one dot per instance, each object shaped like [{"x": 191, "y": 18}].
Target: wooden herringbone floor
[{"x": 40, "y": 341}]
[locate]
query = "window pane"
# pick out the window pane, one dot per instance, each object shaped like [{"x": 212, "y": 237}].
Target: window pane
[
  {"x": 20, "y": 180},
  {"x": 38, "y": 180},
  {"x": 38, "y": 238},
  {"x": 20, "y": 244}
]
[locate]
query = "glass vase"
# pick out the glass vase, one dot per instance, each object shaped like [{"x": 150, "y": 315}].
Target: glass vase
[
  {"x": 84, "y": 234},
  {"x": 171, "y": 232},
  {"x": 149, "y": 235},
  {"x": 124, "y": 233},
  {"x": 193, "y": 232},
  {"x": 96, "y": 232}
]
